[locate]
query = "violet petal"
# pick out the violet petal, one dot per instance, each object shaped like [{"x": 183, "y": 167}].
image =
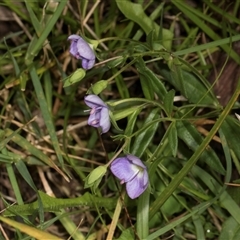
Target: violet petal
[
  {"x": 73, "y": 49},
  {"x": 94, "y": 101},
  {"x": 85, "y": 63},
  {"x": 84, "y": 49},
  {"x": 136, "y": 161},
  {"x": 105, "y": 123},
  {"x": 73, "y": 37},
  {"x": 136, "y": 186},
  {"x": 91, "y": 63},
  {"x": 94, "y": 119},
  {"x": 122, "y": 169}
]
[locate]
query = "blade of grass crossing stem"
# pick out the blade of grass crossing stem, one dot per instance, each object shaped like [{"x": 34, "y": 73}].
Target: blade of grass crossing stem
[
  {"x": 45, "y": 113},
  {"x": 192, "y": 161}
]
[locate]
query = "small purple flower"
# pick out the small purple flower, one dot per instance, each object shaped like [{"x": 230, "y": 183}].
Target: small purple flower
[
  {"x": 80, "y": 49},
  {"x": 99, "y": 115},
  {"x": 133, "y": 172}
]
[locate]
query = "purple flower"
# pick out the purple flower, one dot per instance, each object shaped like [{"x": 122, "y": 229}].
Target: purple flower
[
  {"x": 80, "y": 49},
  {"x": 133, "y": 172},
  {"x": 99, "y": 115}
]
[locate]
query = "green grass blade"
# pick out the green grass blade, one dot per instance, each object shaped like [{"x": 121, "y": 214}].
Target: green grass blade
[{"x": 46, "y": 114}]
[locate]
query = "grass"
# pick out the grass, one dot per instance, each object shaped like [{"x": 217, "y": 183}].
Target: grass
[{"x": 154, "y": 70}]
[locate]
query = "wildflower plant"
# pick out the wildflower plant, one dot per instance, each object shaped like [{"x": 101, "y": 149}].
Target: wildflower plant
[{"x": 137, "y": 143}]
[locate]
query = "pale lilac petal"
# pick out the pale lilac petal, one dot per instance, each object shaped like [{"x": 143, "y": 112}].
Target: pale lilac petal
[
  {"x": 94, "y": 119},
  {"x": 105, "y": 123},
  {"x": 73, "y": 49},
  {"x": 94, "y": 101},
  {"x": 137, "y": 185},
  {"x": 85, "y": 63},
  {"x": 136, "y": 161},
  {"x": 90, "y": 64},
  {"x": 84, "y": 49},
  {"x": 145, "y": 178},
  {"x": 73, "y": 37},
  {"x": 122, "y": 169}
]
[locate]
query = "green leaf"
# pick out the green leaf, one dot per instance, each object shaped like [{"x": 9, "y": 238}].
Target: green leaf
[
  {"x": 146, "y": 83},
  {"x": 230, "y": 230},
  {"x": 231, "y": 130},
  {"x": 168, "y": 102},
  {"x": 150, "y": 82},
  {"x": 34, "y": 20},
  {"x": 173, "y": 139},
  {"x": 146, "y": 134},
  {"x": 121, "y": 85},
  {"x": 189, "y": 85},
  {"x": 130, "y": 127},
  {"x": 21, "y": 167},
  {"x": 120, "y": 114},
  {"x": 135, "y": 12},
  {"x": 189, "y": 134}
]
